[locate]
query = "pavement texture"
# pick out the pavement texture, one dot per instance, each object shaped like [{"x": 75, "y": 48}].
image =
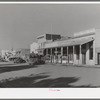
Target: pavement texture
[{"x": 49, "y": 75}]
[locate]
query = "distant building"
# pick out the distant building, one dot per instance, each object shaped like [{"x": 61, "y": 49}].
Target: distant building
[
  {"x": 23, "y": 53},
  {"x": 34, "y": 47},
  {"x": 6, "y": 54}
]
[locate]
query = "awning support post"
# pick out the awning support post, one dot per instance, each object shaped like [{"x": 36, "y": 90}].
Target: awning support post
[
  {"x": 61, "y": 54},
  {"x": 67, "y": 55},
  {"x": 56, "y": 55},
  {"x": 46, "y": 51},
  {"x": 51, "y": 54},
  {"x": 80, "y": 55},
  {"x": 73, "y": 54}
]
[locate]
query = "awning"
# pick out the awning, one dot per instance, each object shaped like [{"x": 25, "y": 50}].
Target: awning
[
  {"x": 69, "y": 42},
  {"x": 82, "y": 41},
  {"x": 75, "y": 42}
]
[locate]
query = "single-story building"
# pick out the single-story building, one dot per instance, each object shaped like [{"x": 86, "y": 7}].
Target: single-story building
[{"x": 82, "y": 48}]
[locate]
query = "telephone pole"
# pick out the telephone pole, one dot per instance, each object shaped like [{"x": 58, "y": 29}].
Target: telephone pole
[{"x": 51, "y": 31}]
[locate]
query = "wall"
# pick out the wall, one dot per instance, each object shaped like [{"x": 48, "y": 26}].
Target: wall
[
  {"x": 88, "y": 61},
  {"x": 97, "y": 45},
  {"x": 53, "y": 37},
  {"x": 76, "y": 61},
  {"x": 41, "y": 41},
  {"x": 47, "y": 38},
  {"x": 51, "y": 44}
]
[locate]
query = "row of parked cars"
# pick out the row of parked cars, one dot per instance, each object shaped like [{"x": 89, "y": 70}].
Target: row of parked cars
[
  {"x": 2, "y": 60},
  {"x": 17, "y": 60},
  {"x": 32, "y": 60},
  {"x": 36, "y": 59}
]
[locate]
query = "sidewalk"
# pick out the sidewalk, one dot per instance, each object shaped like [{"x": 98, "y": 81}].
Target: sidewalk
[
  {"x": 6, "y": 63},
  {"x": 75, "y": 65},
  {"x": 9, "y": 64},
  {"x": 88, "y": 66}
]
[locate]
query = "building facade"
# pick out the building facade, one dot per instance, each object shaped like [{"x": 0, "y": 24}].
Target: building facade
[
  {"x": 34, "y": 47},
  {"x": 44, "y": 39},
  {"x": 82, "y": 48}
]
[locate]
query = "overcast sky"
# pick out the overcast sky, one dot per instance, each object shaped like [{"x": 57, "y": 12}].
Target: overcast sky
[{"x": 21, "y": 24}]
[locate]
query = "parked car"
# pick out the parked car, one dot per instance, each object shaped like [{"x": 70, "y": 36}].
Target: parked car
[
  {"x": 12, "y": 58},
  {"x": 35, "y": 59},
  {"x": 2, "y": 60},
  {"x": 19, "y": 60},
  {"x": 41, "y": 60}
]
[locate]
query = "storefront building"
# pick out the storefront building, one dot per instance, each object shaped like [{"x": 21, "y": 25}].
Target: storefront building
[{"x": 82, "y": 48}]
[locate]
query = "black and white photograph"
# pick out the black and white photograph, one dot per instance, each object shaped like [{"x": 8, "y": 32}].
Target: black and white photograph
[{"x": 50, "y": 46}]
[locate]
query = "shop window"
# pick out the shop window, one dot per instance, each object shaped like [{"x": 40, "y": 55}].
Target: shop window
[
  {"x": 91, "y": 50},
  {"x": 77, "y": 52},
  {"x": 65, "y": 51},
  {"x": 70, "y": 51}
]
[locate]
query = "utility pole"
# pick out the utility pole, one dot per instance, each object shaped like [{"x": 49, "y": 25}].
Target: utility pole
[
  {"x": 12, "y": 46},
  {"x": 51, "y": 31}
]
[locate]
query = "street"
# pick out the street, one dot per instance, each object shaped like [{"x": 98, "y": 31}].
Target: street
[{"x": 48, "y": 75}]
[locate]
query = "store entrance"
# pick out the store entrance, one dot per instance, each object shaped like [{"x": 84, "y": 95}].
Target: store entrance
[
  {"x": 98, "y": 58},
  {"x": 83, "y": 58}
]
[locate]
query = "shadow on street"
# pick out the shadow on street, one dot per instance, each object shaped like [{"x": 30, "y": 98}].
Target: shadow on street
[
  {"x": 27, "y": 82},
  {"x": 58, "y": 82},
  {"x": 15, "y": 68}
]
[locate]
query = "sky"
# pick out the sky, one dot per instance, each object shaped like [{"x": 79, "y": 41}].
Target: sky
[{"x": 20, "y": 24}]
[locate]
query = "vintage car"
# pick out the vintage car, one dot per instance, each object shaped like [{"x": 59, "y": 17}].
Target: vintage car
[
  {"x": 17, "y": 60},
  {"x": 36, "y": 59}
]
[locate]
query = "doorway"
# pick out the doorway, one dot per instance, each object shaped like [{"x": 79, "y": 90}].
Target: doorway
[
  {"x": 83, "y": 58},
  {"x": 99, "y": 58}
]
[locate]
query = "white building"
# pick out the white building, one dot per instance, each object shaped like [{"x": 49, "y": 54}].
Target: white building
[
  {"x": 46, "y": 38},
  {"x": 82, "y": 48},
  {"x": 6, "y": 54},
  {"x": 34, "y": 47}
]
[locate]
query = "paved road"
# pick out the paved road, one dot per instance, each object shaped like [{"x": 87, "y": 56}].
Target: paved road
[{"x": 49, "y": 76}]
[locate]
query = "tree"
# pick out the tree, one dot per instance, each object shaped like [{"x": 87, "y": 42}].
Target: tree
[{"x": 32, "y": 55}]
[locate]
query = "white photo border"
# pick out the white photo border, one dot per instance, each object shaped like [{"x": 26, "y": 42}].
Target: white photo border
[{"x": 47, "y": 93}]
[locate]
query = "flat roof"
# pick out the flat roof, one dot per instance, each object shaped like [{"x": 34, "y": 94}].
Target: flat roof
[
  {"x": 82, "y": 41},
  {"x": 40, "y": 36},
  {"x": 85, "y": 32},
  {"x": 47, "y": 34}
]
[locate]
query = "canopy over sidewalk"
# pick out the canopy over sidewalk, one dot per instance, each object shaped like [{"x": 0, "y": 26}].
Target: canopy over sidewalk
[{"x": 70, "y": 42}]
